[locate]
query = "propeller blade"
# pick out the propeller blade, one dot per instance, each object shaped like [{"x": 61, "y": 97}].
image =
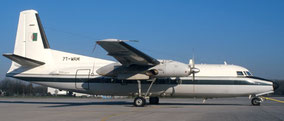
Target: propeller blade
[{"x": 191, "y": 63}]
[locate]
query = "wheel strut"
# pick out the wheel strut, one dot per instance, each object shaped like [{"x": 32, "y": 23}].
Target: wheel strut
[
  {"x": 139, "y": 88},
  {"x": 149, "y": 88}
]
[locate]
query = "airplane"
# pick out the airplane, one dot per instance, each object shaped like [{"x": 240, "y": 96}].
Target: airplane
[{"x": 135, "y": 74}]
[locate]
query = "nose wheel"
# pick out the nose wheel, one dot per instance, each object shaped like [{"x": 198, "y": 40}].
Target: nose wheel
[{"x": 256, "y": 101}]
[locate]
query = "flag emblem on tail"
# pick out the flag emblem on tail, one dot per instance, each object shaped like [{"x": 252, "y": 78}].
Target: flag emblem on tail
[{"x": 34, "y": 36}]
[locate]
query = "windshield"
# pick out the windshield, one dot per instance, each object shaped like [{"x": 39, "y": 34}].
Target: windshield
[
  {"x": 244, "y": 73},
  {"x": 248, "y": 73}
]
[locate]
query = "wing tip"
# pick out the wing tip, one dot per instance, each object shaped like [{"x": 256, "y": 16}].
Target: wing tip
[{"x": 110, "y": 40}]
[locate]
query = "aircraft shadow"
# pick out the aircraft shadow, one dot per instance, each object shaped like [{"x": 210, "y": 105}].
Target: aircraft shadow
[
  {"x": 67, "y": 104},
  {"x": 124, "y": 103}
]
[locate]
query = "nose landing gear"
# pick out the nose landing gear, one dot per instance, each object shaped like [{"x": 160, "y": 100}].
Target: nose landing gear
[{"x": 256, "y": 101}]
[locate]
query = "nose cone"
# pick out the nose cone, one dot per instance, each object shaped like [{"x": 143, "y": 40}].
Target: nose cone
[{"x": 275, "y": 85}]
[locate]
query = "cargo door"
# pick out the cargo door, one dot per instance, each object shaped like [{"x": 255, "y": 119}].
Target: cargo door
[{"x": 82, "y": 79}]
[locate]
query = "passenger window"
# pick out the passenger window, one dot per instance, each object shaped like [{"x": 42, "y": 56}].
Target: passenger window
[{"x": 239, "y": 73}]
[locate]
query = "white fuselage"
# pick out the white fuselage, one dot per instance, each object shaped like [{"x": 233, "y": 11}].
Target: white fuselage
[{"x": 77, "y": 73}]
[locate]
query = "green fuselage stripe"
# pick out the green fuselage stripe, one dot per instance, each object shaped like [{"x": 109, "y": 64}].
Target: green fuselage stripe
[{"x": 158, "y": 81}]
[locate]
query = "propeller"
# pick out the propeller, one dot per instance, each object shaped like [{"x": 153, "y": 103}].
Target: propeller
[{"x": 192, "y": 69}]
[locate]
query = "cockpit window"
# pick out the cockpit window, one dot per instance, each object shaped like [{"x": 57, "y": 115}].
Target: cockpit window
[
  {"x": 248, "y": 73},
  {"x": 240, "y": 73}
]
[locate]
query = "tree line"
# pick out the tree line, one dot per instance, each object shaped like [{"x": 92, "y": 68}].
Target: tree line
[{"x": 14, "y": 87}]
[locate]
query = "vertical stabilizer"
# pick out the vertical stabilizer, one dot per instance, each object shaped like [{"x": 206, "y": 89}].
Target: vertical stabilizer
[{"x": 31, "y": 39}]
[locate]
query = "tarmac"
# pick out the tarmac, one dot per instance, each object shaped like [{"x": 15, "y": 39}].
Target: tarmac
[{"x": 181, "y": 109}]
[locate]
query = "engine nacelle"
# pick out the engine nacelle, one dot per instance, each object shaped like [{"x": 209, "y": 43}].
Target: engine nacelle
[
  {"x": 116, "y": 70},
  {"x": 166, "y": 68},
  {"x": 169, "y": 68}
]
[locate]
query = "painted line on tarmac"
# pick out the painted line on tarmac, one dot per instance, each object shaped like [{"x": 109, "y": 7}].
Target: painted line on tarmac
[{"x": 267, "y": 98}]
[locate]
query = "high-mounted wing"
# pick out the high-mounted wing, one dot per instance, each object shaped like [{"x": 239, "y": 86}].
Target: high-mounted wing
[{"x": 126, "y": 54}]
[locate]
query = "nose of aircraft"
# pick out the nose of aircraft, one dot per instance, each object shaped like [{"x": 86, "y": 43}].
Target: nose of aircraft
[{"x": 275, "y": 85}]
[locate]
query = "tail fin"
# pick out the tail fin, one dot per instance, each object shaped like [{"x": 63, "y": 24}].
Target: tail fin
[{"x": 31, "y": 40}]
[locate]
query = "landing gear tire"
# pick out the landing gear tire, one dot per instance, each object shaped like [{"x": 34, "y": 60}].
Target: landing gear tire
[
  {"x": 154, "y": 100},
  {"x": 256, "y": 101},
  {"x": 139, "y": 102}
]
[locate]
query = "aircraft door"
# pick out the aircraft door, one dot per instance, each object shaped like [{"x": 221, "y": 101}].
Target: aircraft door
[{"x": 82, "y": 79}]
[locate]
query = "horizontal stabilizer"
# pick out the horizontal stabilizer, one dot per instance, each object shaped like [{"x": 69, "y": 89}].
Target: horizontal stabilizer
[{"x": 23, "y": 60}]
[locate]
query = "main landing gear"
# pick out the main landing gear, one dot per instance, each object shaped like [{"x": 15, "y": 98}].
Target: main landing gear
[{"x": 140, "y": 101}]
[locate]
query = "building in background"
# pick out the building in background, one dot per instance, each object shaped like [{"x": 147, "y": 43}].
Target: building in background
[{"x": 57, "y": 92}]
